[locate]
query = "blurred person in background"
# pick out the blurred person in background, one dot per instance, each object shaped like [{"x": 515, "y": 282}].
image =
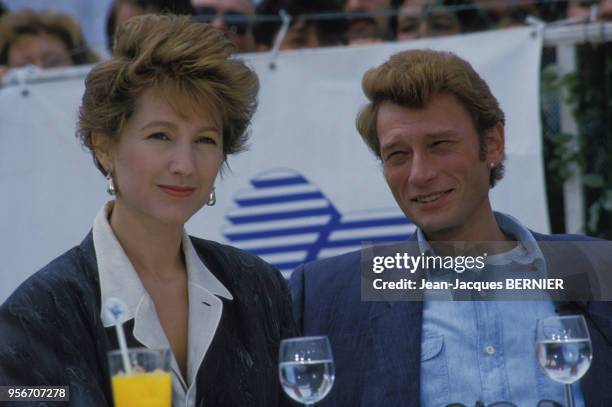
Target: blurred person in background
[
  {"x": 304, "y": 31},
  {"x": 549, "y": 11},
  {"x": 160, "y": 118},
  {"x": 423, "y": 18},
  {"x": 427, "y": 18},
  {"x": 122, "y": 10},
  {"x": 234, "y": 17},
  {"x": 506, "y": 14},
  {"x": 43, "y": 38},
  {"x": 370, "y": 20},
  {"x": 604, "y": 11},
  {"x": 582, "y": 8}
]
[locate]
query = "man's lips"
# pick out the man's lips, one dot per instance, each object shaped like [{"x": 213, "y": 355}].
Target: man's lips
[
  {"x": 177, "y": 191},
  {"x": 432, "y": 197}
]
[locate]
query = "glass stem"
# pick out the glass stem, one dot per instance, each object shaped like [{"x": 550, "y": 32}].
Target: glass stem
[{"x": 569, "y": 395}]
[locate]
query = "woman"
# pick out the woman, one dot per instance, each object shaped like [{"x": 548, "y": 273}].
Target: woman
[
  {"x": 44, "y": 38},
  {"x": 122, "y": 10},
  {"x": 160, "y": 118}
]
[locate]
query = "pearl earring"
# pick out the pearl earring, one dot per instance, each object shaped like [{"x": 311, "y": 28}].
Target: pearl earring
[
  {"x": 212, "y": 198},
  {"x": 110, "y": 186}
]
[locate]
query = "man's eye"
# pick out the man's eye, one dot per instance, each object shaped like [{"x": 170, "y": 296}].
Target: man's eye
[
  {"x": 439, "y": 143},
  {"x": 158, "y": 136},
  {"x": 395, "y": 156}
]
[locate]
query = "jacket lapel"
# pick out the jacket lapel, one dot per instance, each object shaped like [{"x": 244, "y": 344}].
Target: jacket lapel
[
  {"x": 230, "y": 373},
  {"x": 395, "y": 329}
]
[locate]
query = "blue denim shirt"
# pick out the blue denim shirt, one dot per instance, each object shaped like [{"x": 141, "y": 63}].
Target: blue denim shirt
[{"x": 485, "y": 350}]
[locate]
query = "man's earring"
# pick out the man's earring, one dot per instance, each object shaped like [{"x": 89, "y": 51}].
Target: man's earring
[
  {"x": 110, "y": 186},
  {"x": 212, "y": 198}
]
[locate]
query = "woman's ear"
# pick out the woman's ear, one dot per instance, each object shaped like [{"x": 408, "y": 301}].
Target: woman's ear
[{"x": 101, "y": 144}]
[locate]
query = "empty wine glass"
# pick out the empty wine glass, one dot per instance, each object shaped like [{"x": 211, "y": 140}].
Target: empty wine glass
[
  {"x": 563, "y": 349},
  {"x": 306, "y": 368}
]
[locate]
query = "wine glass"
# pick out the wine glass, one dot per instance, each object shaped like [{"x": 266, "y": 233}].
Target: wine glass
[
  {"x": 563, "y": 349},
  {"x": 306, "y": 368}
]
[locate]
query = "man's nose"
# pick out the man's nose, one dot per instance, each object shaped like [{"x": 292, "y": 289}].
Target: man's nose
[{"x": 422, "y": 169}]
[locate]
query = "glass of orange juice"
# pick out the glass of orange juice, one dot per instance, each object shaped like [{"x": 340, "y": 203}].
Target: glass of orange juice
[{"x": 148, "y": 385}]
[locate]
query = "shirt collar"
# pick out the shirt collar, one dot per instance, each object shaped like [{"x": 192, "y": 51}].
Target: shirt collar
[
  {"x": 527, "y": 252},
  {"x": 199, "y": 274},
  {"x": 119, "y": 279}
]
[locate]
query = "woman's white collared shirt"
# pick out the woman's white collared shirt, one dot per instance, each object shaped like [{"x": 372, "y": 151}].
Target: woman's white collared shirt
[{"x": 119, "y": 279}]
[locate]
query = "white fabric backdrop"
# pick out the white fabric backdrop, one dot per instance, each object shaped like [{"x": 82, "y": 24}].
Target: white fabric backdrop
[{"x": 306, "y": 159}]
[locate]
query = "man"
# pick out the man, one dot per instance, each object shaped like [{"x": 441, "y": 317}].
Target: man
[
  {"x": 424, "y": 18},
  {"x": 122, "y": 10},
  {"x": 508, "y": 14},
  {"x": 369, "y": 20},
  {"x": 234, "y": 17},
  {"x": 439, "y": 133},
  {"x": 303, "y": 31}
]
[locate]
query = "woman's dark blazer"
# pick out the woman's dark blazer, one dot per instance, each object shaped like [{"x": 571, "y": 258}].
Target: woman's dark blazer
[{"x": 51, "y": 332}]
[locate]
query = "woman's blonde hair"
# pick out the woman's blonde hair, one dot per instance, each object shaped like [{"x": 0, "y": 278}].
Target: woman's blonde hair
[{"x": 189, "y": 62}]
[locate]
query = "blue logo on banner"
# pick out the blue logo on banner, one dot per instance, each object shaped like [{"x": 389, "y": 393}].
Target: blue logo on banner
[{"x": 287, "y": 221}]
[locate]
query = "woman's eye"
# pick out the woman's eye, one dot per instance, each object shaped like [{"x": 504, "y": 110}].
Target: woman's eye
[
  {"x": 207, "y": 140},
  {"x": 158, "y": 136}
]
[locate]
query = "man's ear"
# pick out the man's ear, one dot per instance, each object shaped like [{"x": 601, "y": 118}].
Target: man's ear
[
  {"x": 102, "y": 147},
  {"x": 495, "y": 139}
]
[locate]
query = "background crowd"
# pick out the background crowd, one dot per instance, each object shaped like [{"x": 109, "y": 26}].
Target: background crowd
[
  {"x": 52, "y": 39},
  {"x": 49, "y": 39}
]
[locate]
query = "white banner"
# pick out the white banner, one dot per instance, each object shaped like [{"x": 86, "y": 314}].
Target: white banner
[{"x": 308, "y": 187}]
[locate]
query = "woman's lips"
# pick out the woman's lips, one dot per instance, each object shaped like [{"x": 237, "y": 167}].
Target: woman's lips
[{"x": 177, "y": 191}]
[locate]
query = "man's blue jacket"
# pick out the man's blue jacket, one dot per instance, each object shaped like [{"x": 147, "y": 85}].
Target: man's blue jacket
[{"x": 376, "y": 345}]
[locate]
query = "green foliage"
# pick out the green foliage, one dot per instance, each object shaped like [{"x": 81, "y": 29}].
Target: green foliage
[{"x": 589, "y": 97}]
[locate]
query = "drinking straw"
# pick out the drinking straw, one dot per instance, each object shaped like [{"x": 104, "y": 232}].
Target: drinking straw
[{"x": 114, "y": 312}]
